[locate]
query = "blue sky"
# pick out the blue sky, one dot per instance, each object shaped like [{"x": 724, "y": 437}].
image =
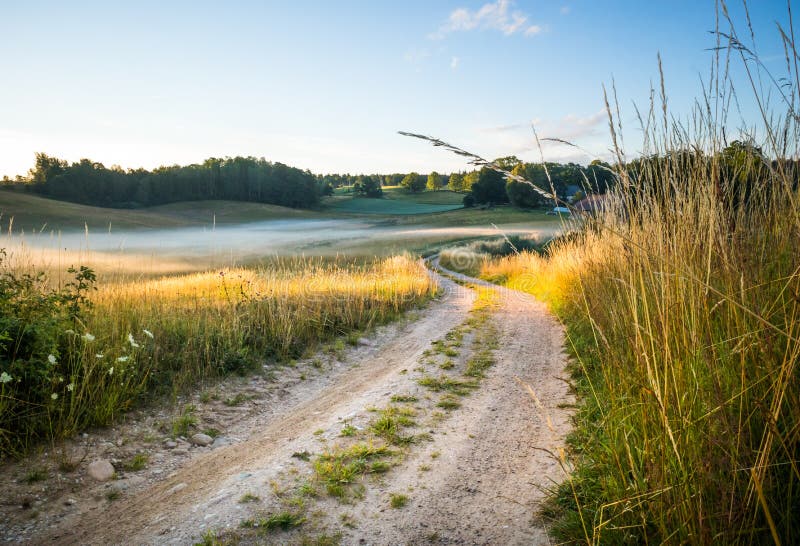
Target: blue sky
[{"x": 326, "y": 85}]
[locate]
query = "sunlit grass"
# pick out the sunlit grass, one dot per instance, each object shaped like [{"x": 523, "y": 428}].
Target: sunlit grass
[{"x": 146, "y": 336}]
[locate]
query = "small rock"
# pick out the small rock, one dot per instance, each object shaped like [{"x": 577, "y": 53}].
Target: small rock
[
  {"x": 101, "y": 470},
  {"x": 69, "y": 502},
  {"x": 365, "y": 341},
  {"x": 220, "y": 441},
  {"x": 170, "y": 444},
  {"x": 201, "y": 439},
  {"x": 120, "y": 442}
]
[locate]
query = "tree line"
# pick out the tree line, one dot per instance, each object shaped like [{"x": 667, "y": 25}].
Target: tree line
[
  {"x": 237, "y": 178},
  {"x": 259, "y": 180}
]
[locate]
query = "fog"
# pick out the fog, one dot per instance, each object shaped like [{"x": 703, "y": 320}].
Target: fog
[{"x": 244, "y": 242}]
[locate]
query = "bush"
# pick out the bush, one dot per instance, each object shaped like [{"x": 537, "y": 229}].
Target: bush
[{"x": 55, "y": 377}]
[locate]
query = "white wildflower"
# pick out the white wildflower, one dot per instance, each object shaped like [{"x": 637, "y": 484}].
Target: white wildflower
[
  {"x": 132, "y": 341},
  {"x": 70, "y": 332},
  {"x": 99, "y": 355},
  {"x": 122, "y": 359},
  {"x": 88, "y": 337},
  {"x": 71, "y": 387},
  {"x": 148, "y": 333},
  {"x": 4, "y": 377},
  {"x": 60, "y": 379},
  {"x": 54, "y": 396},
  {"x": 111, "y": 370},
  {"x": 51, "y": 359}
]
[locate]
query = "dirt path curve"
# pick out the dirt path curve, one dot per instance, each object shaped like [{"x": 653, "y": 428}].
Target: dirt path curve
[
  {"x": 497, "y": 455},
  {"x": 484, "y": 488}
]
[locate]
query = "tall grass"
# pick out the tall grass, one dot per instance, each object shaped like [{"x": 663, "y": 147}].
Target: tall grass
[
  {"x": 137, "y": 337},
  {"x": 682, "y": 303}
]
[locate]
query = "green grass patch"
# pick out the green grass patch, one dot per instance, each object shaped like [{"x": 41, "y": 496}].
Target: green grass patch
[
  {"x": 397, "y": 500},
  {"x": 445, "y": 383},
  {"x": 339, "y": 469}
]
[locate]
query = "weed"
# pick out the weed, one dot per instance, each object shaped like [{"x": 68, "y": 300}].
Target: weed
[
  {"x": 444, "y": 383},
  {"x": 249, "y": 497},
  {"x": 397, "y": 500},
  {"x": 448, "y": 402},
  {"x": 35, "y": 475},
  {"x": 137, "y": 462},
  {"x": 339, "y": 468},
  {"x": 302, "y": 455},
  {"x": 479, "y": 363},
  {"x": 403, "y": 398},
  {"x": 237, "y": 400},
  {"x": 282, "y": 521},
  {"x": 348, "y": 430},
  {"x": 184, "y": 422}
]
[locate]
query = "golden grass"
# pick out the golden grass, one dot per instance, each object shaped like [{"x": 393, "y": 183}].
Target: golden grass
[
  {"x": 682, "y": 308},
  {"x": 145, "y": 336}
]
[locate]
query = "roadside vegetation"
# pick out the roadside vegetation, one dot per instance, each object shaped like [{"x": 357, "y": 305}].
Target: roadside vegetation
[
  {"x": 681, "y": 303},
  {"x": 77, "y": 354}
]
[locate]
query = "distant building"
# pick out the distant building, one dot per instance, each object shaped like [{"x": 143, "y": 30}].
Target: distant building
[{"x": 591, "y": 204}]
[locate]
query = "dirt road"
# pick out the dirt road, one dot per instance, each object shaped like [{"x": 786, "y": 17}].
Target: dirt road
[{"x": 478, "y": 477}]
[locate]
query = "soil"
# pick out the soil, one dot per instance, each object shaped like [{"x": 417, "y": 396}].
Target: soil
[{"x": 479, "y": 478}]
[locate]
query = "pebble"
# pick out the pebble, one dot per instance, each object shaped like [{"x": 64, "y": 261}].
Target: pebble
[
  {"x": 220, "y": 441},
  {"x": 101, "y": 470},
  {"x": 201, "y": 439},
  {"x": 170, "y": 444}
]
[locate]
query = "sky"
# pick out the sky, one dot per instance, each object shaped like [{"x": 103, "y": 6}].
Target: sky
[{"x": 326, "y": 85}]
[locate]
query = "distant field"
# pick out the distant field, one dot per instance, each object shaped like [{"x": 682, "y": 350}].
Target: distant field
[
  {"x": 442, "y": 197},
  {"x": 365, "y": 205},
  {"x": 395, "y": 201}
]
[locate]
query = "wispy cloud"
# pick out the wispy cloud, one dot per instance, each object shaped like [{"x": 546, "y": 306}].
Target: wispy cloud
[
  {"x": 517, "y": 138},
  {"x": 454, "y": 62},
  {"x": 492, "y": 16},
  {"x": 565, "y": 10}
]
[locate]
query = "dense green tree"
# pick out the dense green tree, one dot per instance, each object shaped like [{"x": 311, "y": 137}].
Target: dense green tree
[
  {"x": 490, "y": 187},
  {"x": 507, "y": 163},
  {"x": 456, "y": 182},
  {"x": 469, "y": 179},
  {"x": 521, "y": 194},
  {"x": 369, "y": 186},
  {"x": 435, "y": 181},
  {"x": 413, "y": 182}
]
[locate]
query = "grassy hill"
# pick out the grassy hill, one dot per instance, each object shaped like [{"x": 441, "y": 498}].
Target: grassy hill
[{"x": 34, "y": 213}]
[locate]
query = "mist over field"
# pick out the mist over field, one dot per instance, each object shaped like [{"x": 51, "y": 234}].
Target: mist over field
[{"x": 273, "y": 237}]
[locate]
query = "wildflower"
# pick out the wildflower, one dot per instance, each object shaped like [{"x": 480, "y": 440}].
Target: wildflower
[
  {"x": 132, "y": 341},
  {"x": 122, "y": 359},
  {"x": 88, "y": 337},
  {"x": 99, "y": 355},
  {"x": 148, "y": 333},
  {"x": 4, "y": 377},
  {"x": 71, "y": 387},
  {"x": 60, "y": 378},
  {"x": 70, "y": 332},
  {"x": 111, "y": 370},
  {"x": 51, "y": 359},
  {"x": 54, "y": 396}
]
